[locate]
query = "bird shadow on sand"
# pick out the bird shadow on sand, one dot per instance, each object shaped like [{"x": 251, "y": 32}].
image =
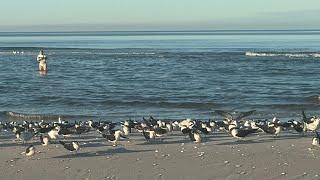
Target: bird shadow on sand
[
  {"x": 19, "y": 144},
  {"x": 94, "y": 145},
  {"x": 85, "y": 137},
  {"x": 240, "y": 142},
  {"x": 101, "y": 153},
  {"x": 178, "y": 141},
  {"x": 282, "y": 137},
  {"x": 263, "y": 139}
]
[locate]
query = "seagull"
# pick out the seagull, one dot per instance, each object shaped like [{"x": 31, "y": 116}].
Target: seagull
[
  {"x": 30, "y": 151},
  {"x": 71, "y": 146}
]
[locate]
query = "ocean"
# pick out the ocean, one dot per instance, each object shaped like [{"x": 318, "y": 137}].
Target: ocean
[{"x": 169, "y": 75}]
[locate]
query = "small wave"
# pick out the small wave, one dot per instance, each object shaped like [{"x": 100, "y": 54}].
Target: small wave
[
  {"x": 163, "y": 104},
  {"x": 16, "y": 116},
  {"x": 313, "y": 99},
  {"x": 31, "y": 116},
  {"x": 114, "y": 53},
  {"x": 291, "y": 55}
]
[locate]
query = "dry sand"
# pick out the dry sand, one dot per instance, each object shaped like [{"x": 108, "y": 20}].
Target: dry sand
[{"x": 289, "y": 156}]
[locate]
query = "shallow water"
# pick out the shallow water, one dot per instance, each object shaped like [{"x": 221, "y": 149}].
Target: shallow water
[{"x": 118, "y": 75}]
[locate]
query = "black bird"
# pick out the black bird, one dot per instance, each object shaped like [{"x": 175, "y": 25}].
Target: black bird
[
  {"x": 316, "y": 139},
  {"x": 45, "y": 129},
  {"x": 114, "y": 136},
  {"x": 285, "y": 124},
  {"x": 270, "y": 128},
  {"x": 305, "y": 119},
  {"x": 185, "y": 130},
  {"x": 65, "y": 131},
  {"x": 160, "y": 131},
  {"x": 229, "y": 117},
  {"x": 298, "y": 126},
  {"x": 221, "y": 125},
  {"x": 148, "y": 134},
  {"x": 30, "y": 151},
  {"x": 81, "y": 129},
  {"x": 195, "y": 136},
  {"x": 240, "y": 133},
  {"x": 71, "y": 146},
  {"x": 44, "y": 140}
]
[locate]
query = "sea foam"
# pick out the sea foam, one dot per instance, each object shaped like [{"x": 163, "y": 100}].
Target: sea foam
[{"x": 291, "y": 55}]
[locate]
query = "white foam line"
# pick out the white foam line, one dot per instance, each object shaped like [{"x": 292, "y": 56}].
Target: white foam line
[{"x": 291, "y": 55}]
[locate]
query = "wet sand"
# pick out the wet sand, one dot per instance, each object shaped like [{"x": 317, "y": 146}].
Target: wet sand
[{"x": 220, "y": 156}]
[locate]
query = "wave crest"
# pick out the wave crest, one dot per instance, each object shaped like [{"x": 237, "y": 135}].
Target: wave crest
[
  {"x": 292, "y": 55},
  {"x": 30, "y": 116}
]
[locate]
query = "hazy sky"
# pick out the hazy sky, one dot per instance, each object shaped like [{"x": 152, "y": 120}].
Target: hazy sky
[{"x": 39, "y": 15}]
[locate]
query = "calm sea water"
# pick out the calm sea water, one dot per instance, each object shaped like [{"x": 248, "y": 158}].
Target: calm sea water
[{"x": 119, "y": 75}]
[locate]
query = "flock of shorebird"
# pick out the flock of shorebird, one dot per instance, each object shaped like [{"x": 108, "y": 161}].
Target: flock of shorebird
[{"x": 151, "y": 128}]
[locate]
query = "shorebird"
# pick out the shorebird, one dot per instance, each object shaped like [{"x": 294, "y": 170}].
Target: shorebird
[
  {"x": 296, "y": 125},
  {"x": 114, "y": 136},
  {"x": 66, "y": 132},
  {"x": 44, "y": 140},
  {"x": 195, "y": 136},
  {"x": 236, "y": 132},
  {"x": 316, "y": 139},
  {"x": 30, "y": 151},
  {"x": 45, "y": 129},
  {"x": 149, "y": 135},
  {"x": 270, "y": 128},
  {"x": 126, "y": 129},
  {"x": 230, "y": 117},
  {"x": 169, "y": 127},
  {"x": 71, "y": 146},
  {"x": 312, "y": 123},
  {"x": 186, "y": 123},
  {"x": 54, "y": 133},
  {"x": 79, "y": 129},
  {"x": 159, "y": 131},
  {"x": 185, "y": 130}
]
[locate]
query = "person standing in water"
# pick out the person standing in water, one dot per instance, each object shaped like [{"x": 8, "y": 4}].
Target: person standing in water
[{"x": 42, "y": 61}]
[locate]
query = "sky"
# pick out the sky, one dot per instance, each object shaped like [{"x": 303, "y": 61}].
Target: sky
[{"x": 126, "y": 15}]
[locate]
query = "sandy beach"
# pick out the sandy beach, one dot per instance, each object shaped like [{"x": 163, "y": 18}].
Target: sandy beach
[
  {"x": 219, "y": 156},
  {"x": 160, "y": 90}
]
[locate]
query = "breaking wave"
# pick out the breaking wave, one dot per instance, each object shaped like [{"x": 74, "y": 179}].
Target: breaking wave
[{"x": 291, "y": 55}]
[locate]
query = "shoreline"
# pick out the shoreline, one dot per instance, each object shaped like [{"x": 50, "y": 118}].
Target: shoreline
[
  {"x": 7, "y": 116},
  {"x": 289, "y": 156}
]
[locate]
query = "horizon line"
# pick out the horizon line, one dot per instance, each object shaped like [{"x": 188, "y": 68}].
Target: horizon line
[{"x": 176, "y": 30}]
